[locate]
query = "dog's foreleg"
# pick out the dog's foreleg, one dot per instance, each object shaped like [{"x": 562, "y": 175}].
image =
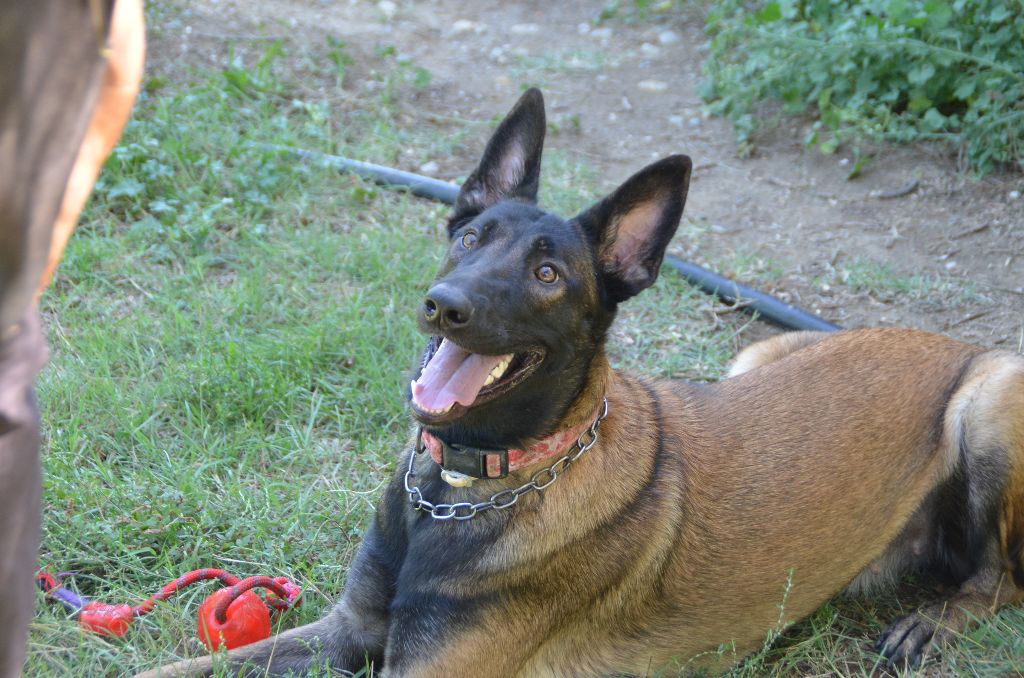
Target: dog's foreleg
[
  {"x": 348, "y": 639},
  {"x": 331, "y": 641}
]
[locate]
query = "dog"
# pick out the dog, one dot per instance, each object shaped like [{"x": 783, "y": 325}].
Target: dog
[{"x": 556, "y": 517}]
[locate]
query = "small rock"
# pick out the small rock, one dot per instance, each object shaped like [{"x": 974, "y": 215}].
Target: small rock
[
  {"x": 693, "y": 122},
  {"x": 466, "y": 26},
  {"x": 430, "y": 167},
  {"x": 652, "y": 85},
  {"x": 583, "y": 28},
  {"x": 649, "y": 50},
  {"x": 388, "y": 9},
  {"x": 612, "y": 117},
  {"x": 1013, "y": 195},
  {"x": 950, "y": 265},
  {"x": 676, "y": 120},
  {"x": 843, "y": 162},
  {"x": 524, "y": 29},
  {"x": 601, "y": 33},
  {"x": 668, "y": 37}
]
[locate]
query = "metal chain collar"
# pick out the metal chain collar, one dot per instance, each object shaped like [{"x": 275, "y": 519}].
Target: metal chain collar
[{"x": 540, "y": 480}]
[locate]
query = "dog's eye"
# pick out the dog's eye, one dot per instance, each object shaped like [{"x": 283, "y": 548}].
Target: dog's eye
[
  {"x": 546, "y": 274},
  {"x": 469, "y": 239}
]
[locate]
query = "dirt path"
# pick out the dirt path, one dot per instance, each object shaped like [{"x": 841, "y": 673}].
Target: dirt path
[{"x": 911, "y": 242}]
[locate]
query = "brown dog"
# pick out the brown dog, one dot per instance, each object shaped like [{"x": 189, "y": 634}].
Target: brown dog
[{"x": 571, "y": 520}]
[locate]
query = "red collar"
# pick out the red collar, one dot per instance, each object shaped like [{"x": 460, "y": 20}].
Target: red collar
[{"x": 492, "y": 460}]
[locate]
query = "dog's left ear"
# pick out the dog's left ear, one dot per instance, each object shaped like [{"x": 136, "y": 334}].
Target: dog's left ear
[
  {"x": 510, "y": 167},
  {"x": 632, "y": 227}
]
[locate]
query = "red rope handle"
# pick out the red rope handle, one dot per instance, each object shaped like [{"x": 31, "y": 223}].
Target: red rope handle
[
  {"x": 281, "y": 591},
  {"x": 185, "y": 580}
]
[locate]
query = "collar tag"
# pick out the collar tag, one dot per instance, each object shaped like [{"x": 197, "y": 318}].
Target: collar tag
[
  {"x": 472, "y": 462},
  {"x": 456, "y": 479}
]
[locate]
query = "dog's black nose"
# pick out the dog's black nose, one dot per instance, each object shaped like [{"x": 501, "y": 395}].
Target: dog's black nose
[{"x": 447, "y": 308}]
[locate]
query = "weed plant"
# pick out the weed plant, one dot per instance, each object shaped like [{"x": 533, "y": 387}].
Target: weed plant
[{"x": 905, "y": 70}]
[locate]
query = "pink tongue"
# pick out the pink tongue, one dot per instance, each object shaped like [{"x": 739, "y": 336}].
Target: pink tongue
[{"x": 452, "y": 376}]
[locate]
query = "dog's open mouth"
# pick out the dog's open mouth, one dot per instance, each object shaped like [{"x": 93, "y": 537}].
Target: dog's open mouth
[{"x": 453, "y": 379}]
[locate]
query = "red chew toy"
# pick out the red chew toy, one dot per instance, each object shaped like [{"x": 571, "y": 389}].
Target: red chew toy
[
  {"x": 231, "y": 617},
  {"x": 106, "y": 619},
  {"x": 246, "y": 620}
]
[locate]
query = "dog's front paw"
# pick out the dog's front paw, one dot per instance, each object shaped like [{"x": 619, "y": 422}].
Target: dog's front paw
[{"x": 907, "y": 641}]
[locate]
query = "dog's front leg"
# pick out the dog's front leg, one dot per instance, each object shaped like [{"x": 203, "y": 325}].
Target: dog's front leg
[
  {"x": 349, "y": 638},
  {"x": 456, "y": 634}
]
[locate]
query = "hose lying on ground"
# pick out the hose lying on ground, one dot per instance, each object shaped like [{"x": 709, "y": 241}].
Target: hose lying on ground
[{"x": 750, "y": 300}]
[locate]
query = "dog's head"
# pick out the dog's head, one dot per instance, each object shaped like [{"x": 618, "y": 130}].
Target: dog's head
[{"x": 523, "y": 299}]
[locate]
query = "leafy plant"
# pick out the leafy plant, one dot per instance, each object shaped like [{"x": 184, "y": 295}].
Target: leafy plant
[{"x": 906, "y": 70}]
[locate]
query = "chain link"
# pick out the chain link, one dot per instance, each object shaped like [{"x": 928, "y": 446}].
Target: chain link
[{"x": 465, "y": 510}]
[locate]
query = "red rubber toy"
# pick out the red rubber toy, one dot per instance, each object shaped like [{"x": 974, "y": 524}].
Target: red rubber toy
[
  {"x": 247, "y": 620},
  {"x": 231, "y": 617}
]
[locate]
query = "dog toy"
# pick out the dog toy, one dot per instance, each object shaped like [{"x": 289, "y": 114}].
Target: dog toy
[{"x": 229, "y": 618}]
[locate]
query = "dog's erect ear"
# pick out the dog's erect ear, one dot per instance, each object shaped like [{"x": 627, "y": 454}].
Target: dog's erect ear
[
  {"x": 510, "y": 167},
  {"x": 632, "y": 227}
]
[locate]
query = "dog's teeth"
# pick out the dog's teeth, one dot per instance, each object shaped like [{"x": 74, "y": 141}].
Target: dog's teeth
[{"x": 497, "y": 372}]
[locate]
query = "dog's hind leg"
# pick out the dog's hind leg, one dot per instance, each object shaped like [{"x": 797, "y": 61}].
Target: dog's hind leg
[
  {"x": 978, "y": 521},
  {"x": 770, "y": 350}
]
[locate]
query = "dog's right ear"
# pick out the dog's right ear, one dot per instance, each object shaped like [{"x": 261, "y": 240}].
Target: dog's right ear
[{"x": 510, "y": 167}]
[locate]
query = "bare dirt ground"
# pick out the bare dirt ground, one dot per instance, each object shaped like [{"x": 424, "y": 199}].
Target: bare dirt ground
[{"x": 623, "y": 91}]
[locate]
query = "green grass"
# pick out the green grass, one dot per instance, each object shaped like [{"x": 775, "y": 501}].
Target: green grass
[
  {"x": 879, "y": 281},
  {"x": 231, "y": 330}
]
